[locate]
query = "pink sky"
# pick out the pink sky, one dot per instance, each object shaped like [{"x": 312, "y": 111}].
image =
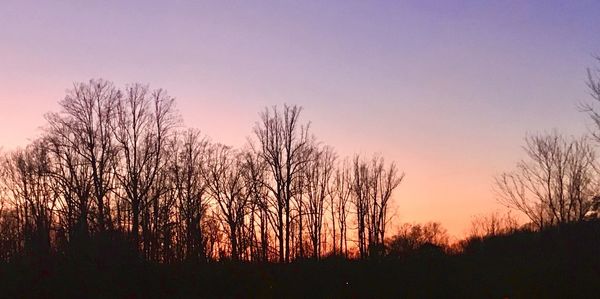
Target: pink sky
[{"x": 447, "y": 91}]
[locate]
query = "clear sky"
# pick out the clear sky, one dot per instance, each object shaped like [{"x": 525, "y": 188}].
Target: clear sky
[{"x": 446, "y": 89}]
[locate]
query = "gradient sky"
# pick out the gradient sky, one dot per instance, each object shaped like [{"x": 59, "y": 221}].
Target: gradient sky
[{"x": 446, "y": 89}]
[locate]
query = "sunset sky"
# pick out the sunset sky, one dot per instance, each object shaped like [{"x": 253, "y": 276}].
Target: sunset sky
[{"x": 448, "y": 91}]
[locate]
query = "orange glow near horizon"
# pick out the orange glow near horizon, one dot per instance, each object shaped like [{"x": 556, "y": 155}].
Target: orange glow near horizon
[
  {"x": 442, "y": 184},
  {"x": 447, "y": 91}
]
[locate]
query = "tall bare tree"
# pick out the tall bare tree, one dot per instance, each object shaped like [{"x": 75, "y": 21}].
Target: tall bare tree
[
  {"x": 372, "y": 188},
  {"x": 190, "y": 191},
  {"x": 384, "y": 181},
  {"x": 318, "y": 174},
  {"x": 284, "y": 145},
  {"x": 73, "y": 181},
  {"x": 340, "y": 203},
  {"x": 224, "y": 175},
  {"x": 360, "y": 200},
  {"x": 145, "y": 120},
  {"x": 84, "y": 127},
  {"x": 260, "y": 212}
]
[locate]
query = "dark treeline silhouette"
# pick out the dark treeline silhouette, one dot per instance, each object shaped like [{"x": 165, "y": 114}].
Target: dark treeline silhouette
[
  {"x": 555, "y": 262},
  {"x": 117, "y": 198},
  {"x": 117, "y": 163}
]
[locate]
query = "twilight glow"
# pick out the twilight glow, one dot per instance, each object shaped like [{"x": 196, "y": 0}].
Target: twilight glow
[{"x": 446, "y": 90}]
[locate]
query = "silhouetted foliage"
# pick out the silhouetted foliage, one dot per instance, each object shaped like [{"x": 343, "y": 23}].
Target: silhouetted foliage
[
  {"x": 557, "y": 262},
  {"x": 416, "y": 238},
  {"x": 118, "y": 199}
]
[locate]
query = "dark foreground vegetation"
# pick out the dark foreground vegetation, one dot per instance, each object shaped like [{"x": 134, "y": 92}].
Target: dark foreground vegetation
[
  {"x": 117, "y": 199},
  {"x": 557, "y": 262}
]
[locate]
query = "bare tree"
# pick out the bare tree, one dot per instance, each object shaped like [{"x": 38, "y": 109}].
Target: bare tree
[
  {"x": 593, "y": 83},
  {"x": 284, "y": 145},
  {"x": 190, "y": 190},
  {"x": 317, "y": 176},
  {"x": 224, "y": 175},
  {"x": 83, "y": 128},
  {"x": 9, "y": 230},
  {"x": 372, "y": 189},
  {"x": 493, "y": 224},
  {"x": 26, "y": 176},
  {"x": 300, "y": 203},
  {"x": 73, "y": 181},
  {"x": 260, "y": 213},
  {"x": 145, "y": 121},
  {"x": 360, "y": 199},
  {"x": 385, "y": 181},
  {"x": 340, "y": 203},
  {"x": 555, "y": 184}
]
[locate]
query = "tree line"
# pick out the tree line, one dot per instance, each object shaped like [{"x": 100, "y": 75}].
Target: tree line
[{"x": 117, "y": 163}]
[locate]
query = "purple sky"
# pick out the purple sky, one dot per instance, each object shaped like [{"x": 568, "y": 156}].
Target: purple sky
[{"x": 448, "y": 90}]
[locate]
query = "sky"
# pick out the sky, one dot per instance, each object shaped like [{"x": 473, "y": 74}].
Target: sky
[{"x": 447, "y": 90}]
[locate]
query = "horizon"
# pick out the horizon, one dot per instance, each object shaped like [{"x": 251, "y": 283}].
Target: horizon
[{"x": 448, "y": 92}]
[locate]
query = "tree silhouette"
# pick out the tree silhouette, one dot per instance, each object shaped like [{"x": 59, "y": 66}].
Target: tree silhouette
[
  {"x": 318, "y": 175},
  {"x": 190, "y": 192},
  {"x": 84, "y": 126},
  {"x": 284, "y": 144},
  {"x": 144, "y": 122},
  {"x": 557, "y": 182},
  {"x": 117, "y": 194},
  {"x": 116, "y": 164},
  {"x": 372, "y": 188}
]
